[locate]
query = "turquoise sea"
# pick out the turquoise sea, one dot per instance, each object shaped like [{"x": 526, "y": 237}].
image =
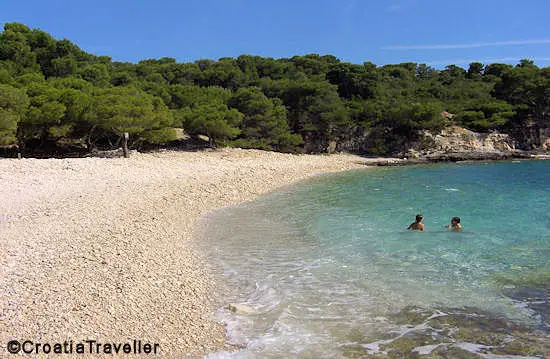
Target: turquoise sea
[{"x": 330, "y": 270}]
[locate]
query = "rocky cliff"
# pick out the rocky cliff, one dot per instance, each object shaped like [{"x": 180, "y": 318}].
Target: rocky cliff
[
  {"x": 532, "y": 138},
  {"x": 455, "y": 142}
]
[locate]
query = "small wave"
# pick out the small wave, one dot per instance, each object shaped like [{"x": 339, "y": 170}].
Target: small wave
[{"x": 452, "y": 189}]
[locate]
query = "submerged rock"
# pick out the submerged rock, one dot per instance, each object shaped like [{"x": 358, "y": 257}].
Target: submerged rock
[
  {"x": 536, "y": 299},
  {"x": 532, "y": 288},
  {"x": 242, "y": 309},
  {"x": 452, "y": 333},
  {"x": 411, "y": 315}
]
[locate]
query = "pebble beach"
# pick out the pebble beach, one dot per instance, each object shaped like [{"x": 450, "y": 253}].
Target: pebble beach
[{"x": 103, "y": 249}]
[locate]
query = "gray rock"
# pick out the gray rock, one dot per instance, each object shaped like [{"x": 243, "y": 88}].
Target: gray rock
[{"x": 242, "y": 309}]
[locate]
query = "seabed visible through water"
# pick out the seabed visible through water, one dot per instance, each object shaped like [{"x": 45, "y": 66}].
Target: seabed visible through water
[{"x": 329, "y": 270}]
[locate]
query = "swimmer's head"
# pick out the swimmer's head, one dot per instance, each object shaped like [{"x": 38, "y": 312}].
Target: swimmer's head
[
  {"x": 419, "y": 217},
  {"x": 455, "y": 220}
]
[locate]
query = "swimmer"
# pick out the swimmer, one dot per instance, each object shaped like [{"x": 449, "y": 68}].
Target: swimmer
[
  {"x": 418, "y": 225},
  {"x": 455, "y": 224}
]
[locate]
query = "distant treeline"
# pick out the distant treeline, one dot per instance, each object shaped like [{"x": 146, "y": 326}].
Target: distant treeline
[{"x": 54, "y": 94}]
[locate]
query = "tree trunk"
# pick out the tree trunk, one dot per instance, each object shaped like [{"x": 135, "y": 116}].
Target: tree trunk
[
  {"x": 125, "y": 144},
  {"x": 89, "y": 142},
  {"x": 20, "y": 140}
]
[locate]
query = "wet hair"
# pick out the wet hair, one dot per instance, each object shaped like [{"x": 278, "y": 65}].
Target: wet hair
[
  {"x": 419, "y": 217},
  {"x": 455, "y": 219}
]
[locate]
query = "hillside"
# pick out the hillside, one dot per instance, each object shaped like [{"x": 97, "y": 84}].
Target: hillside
[{"x": 55, "y": 97}]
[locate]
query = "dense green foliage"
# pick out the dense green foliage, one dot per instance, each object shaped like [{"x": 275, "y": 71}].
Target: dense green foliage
[{"x": 52, "y": 93}]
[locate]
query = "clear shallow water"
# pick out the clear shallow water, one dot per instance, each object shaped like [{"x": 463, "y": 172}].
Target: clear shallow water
[{"x": 329, "y": 260}]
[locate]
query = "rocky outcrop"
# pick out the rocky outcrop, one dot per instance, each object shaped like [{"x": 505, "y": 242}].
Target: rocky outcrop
[
  {"x": 455, "y": 143},
  {"x": 458, "y": 139},
  {"x": 532, "y": 138},
  {"x": 451, "y": 144}
]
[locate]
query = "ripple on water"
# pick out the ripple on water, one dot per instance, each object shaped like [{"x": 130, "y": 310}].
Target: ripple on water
[{"x": 332, "y": 271}]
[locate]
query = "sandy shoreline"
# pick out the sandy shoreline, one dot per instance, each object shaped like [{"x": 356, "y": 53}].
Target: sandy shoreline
[{"x": 102, "y": 249}]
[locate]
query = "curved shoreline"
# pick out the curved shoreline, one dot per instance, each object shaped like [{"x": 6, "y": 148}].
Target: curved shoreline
[{"x": 101, "y": 249}]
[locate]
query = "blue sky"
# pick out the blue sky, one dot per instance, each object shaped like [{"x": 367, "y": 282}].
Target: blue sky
[{"x": 385, "y": 31}]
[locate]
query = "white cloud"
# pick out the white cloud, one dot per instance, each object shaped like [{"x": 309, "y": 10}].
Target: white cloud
[
  {"x": 400, "y": 5},
  {"x": 467, "y": 46},
  {"x": 394, "y": 8}
]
